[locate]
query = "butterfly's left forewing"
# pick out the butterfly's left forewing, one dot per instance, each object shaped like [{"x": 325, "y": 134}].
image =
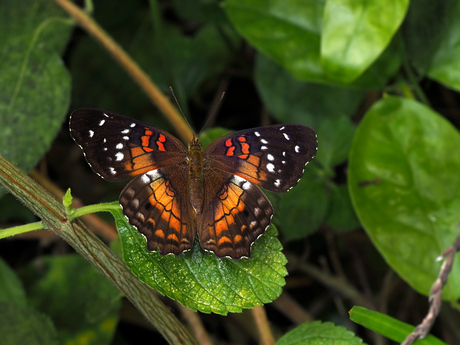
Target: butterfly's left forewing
[
  {"x": 118, "y": 148},
  {"x": 272, "y": 157}
]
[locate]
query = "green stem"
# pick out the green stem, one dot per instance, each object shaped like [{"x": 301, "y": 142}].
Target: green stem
[
  {"x": 21, "y": 229},
  {"x": 103, "y": 207}
]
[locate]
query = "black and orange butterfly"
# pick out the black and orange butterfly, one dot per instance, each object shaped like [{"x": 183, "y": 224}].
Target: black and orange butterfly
[{"x": 176, "y": 189}]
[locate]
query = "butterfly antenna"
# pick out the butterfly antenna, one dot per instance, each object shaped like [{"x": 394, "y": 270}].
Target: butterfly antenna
[
  {"x": 180, "y": 109},
  {"x": 213, "y": 113}
]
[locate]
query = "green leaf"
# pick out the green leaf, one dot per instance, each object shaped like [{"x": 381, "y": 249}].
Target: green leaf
[
  {"x": 21, "y": 325},
  {"x": 289, "y": 32},
  {"x": 387, "y": 326},
  {"x": 35, "y": 85},
  {"x": 355, "y": 34},
  {"x": 290, "y": 100},
  {"x": 312, "y": 333},
  {"x": 11, "y": 289},
  {"x": 444, "y": 66},
  {"x": 424, "y": 31},
  {"x": 334, "y": 141},
  {"x": 340, "y": 214},
  {"x": 412, "y": 213},
  {"x": 208, "y": 136},
  {"x": 302, "y": 210},
  {"x": 201, "y": 281},
  {"x": 82, "y": 303}
]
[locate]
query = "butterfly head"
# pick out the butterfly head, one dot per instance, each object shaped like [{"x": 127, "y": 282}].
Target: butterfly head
[{"x": 194, "y": 145}]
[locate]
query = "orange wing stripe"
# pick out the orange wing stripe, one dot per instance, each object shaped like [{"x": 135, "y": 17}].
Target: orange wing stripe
[
  {"x": 160, "y": 233},
  {"x": 223, "y": 240}
]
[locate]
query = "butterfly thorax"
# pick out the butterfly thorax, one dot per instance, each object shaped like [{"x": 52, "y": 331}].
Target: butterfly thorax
[{"x": 195, "y": 161}]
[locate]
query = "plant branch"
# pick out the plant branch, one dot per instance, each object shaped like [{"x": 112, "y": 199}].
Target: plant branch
[
  {"x": 52, "y": 214},
  {"x": 260, "y": 317},
  {"x": 130, "y": 66},
  {"x": 435, "y": 298}
]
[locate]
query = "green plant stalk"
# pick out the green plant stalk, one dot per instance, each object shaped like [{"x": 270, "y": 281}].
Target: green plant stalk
[
  {"x": 387, "y": 326},
  {"x": 53, "y": 217}
]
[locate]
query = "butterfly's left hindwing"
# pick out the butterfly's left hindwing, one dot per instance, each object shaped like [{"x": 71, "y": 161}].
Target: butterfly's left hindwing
[
  {"x": 272, "y": 157},
  {"x": 118, "y": 148},
  {"x": 235, "y": 214}
]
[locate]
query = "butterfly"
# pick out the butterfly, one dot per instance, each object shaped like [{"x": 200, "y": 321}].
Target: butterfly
[{"x": 176, "y": 190}]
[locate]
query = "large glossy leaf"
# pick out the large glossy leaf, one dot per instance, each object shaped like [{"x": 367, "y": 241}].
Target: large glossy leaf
[
  {"x": 35, "y": 85},
  {"x": 411, "y": 210},
  {"x": 355, "y": 34},
  {"x": 289, "y": 32}
]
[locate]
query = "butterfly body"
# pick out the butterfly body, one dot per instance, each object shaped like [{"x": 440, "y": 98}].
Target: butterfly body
[
  {"x": 196, "y": 175},
  {"x": 176, "y": 190}
]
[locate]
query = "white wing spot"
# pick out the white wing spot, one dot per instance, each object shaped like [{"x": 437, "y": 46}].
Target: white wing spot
[
  {"x": 284, "y": 162},
  {"x": 132, "y": 125},
  {"x": 264, "y": 147},
  {"x": 125, "y": 131},
  {"x": 297, "y": 148},
  {"x": 246, "y": 185},
  {"x": 281, "y": 128},
  {"x": 238, "y": 180},
  {"x": 256, "y": 211},
  {"x": 277, "y": 183},
  {"x": 257, "y": 134},
  {"x": 145, "y": 179},
  {"x": 270, "y": 167},
  {"x": 153, "y": 174},
  {"x": 286, "y": 136},
  {"x": 140, "y": 216},
  {"x": 126, "y": 137},
  {"x": 270, "y": 157},
  {"x": 252, "y": 224},
  {"x": 263, "y": 141},
  {"x": 91, "y": 133},
  {"x": 119, "y": 156},
  {"x": 105, "y": 114},
  {"x": 104, "y": 140},
  {"x": 104, "y": 149},
  {"x": 284, "y": 153},
  {"x": 119, "y": 146},
  {"x": 135, "y": 203},
  {"x": 102, "y": 122},
  {"x": 112, "y": 171}
]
